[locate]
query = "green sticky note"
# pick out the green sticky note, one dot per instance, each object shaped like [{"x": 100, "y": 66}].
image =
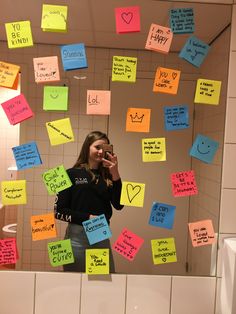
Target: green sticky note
[
  {"x": 55, "y": 98},
  {"x": 56, "y": 180},
  {"x": 60, "y": 253},
  {"x": 124, "y": 69}
]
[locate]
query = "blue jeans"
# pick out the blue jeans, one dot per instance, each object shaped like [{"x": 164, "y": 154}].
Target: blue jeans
[{"x": 79, "y": 243}]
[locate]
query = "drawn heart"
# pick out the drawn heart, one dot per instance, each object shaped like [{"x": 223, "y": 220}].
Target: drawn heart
[
  {"x": 127, "y": 17},
  {"x": 132, "y": 191},
  {"x": 164, "y": 259}
]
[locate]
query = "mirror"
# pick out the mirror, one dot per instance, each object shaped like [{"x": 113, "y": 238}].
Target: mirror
[{"x": 92, "y": 23}]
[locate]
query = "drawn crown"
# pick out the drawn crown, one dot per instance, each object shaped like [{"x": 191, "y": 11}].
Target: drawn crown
[{"x": 136, "y": 118}]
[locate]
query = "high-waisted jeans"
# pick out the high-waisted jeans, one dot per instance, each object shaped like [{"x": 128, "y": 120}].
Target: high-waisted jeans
[{"x": 79, "y": 243}]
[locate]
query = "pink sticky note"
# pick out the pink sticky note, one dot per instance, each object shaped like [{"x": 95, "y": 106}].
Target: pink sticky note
[
  {"x": 183, "y": 183},
  {"x": 17, "y": 109},
  {"x": 128, "y": 244},
  {"x": 46, "y": 69},
  {"x": 202, "y": 232},
  {"x": 98, "y": 102},
  {"x": 159, "y": 38},
  {"x": 8, "y": 251},
  {"x": 127, "y": 19}
]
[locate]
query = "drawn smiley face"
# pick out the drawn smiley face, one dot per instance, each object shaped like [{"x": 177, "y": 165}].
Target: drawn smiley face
[{"x": 203, "y": 148}]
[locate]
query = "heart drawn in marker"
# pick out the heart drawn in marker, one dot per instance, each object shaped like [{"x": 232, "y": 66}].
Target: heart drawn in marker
[
  {"x": 127, "y": 17},
  {"x": 164, "y": 259},
  {"x": 132, "y": 191}
]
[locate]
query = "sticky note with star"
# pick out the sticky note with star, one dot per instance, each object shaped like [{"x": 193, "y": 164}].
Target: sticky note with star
[
  {"x": 56, "y": 180},
  {"x": 55, "y": 98}
]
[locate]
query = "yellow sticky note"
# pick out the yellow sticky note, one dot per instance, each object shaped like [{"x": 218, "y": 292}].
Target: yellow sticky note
[
  {"x": 54, "y": 18},
  {"x": 132, "y": 194},
  {"x": 166, "y": 81},
  {"x": 124, "y": 69},
  {"x": 60, "y": 131},
  {"x": 13, "y": 192},
  {"x": 19, "y": 34},
  {"x": 138, "y": 120},
  {"x": 207, "y": 92},
  {"x": 9, "y": 74},
  {"x": 97, "y": 261},
  {"x": 154, "y": 149},
  {"x": 43, "y": 227},
  {"x": 163, "y": 251}
]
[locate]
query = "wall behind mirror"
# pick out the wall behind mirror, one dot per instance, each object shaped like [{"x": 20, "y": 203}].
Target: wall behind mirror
[{"x": 102, "y": 43}]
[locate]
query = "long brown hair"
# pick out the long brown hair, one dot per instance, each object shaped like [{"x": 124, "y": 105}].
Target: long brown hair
[{"x": 82, "y": 161}]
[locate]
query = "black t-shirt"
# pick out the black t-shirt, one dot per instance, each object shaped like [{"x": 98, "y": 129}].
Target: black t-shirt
[{"x": 86, "y": 197}]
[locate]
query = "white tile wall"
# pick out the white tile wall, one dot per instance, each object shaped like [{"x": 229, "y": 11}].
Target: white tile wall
[{"x": 229, "y": 171}]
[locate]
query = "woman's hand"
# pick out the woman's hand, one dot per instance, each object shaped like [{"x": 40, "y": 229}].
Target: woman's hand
[{"x": 112, "y": 165}]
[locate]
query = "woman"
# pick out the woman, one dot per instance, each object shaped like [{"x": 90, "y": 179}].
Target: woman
[{"x": 96, "y": 187}]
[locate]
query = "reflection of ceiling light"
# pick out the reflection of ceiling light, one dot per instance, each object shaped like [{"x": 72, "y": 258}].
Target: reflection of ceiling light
[{"x": 79, "y": 77}]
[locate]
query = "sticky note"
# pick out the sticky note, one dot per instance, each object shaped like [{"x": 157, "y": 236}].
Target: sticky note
[
  {"x": 166, "y": 81},
  {"x": 73, "y": 57},
  {"x": 159, "y": 38},
  {"x": 98, "y": 102},
  {"x": 176, "y": 117},
  {"x": 127, "y": 19},
  {"x": 55, "y": 98},
  {"x": 163, "y": 251},
  {"x": 132, "y": 194},
  {"x": 43, "y": 227},
  {"x": 60, "y": 131},
  {"x": 13, "y": 192},
  {"x": 204, "y": 148},
  {"x": 128, "y": 244},
  {"x": 202, "y": 233},
  {"x": 17, "y": 109},
  {"x": 207, "y": 92},
  {"x": 60, "y": 253},
  {"x": 19, "y": 34},
  {"x": 183, "y": 183},
  {"x": 138, "y": 120},
  {"x": 162, "y": 215},
  {"x": 182, "y": 20},
  {"x": 46, "y": 69},
  {"x": 194, "y": 51},
  {"x": 124, "y": 69},
  {"x": 9, "y": 74},
  {"x": 97, "y": 229},
  {"x": 153, "y": 149},
  {"x": 54, "y": 18},
  {"x": 56, "y": 180},
  {"x": 26, "y": 155},
  {"x": 97, "y": 261},
  {"x": 8, "y": 251}
]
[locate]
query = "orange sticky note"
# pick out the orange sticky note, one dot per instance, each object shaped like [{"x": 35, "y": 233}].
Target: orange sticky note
[
  {"x": 138, "y": 120},
  {"x": 43, "y": 227},
  {"x": 98, "y": 102},
  {"x": 46, "y": 69},
  {"x": 202, "y": 232},
  {"x": 9, "y": 75},
  {"x": 166, "y": 81},
  {"x": 159, "y": 38}
]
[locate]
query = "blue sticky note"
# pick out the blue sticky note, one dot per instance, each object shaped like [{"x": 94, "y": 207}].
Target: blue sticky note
[
  {"x": 176, "y": 117},
  {"x": 26, "y": 156},
  {"x": 97, "y": 229},
  {"x": 73, "y": 57},
  {"x": 194, "y": 51},
  {"x": 181, "y": 20},
  {"x": 162, "y": 215},
  {"x": 204, "y": 148}
]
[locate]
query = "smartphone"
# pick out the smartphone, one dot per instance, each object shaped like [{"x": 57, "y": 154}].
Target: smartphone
[{"x": 107, "y": 148}]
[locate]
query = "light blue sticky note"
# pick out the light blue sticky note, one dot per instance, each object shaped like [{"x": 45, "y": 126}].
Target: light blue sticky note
[
  {"x": 73, "y": 57},
  {"x": 204, "y": 148},
  {"x": 181, "y": 20},
  {"x": 194, "y": 51},
  {"x": 176, "y": 117},
  {"x": 162, "y": 215},
  {"x": 26, "y": 156},
  {"x": 97, "y": 229}
]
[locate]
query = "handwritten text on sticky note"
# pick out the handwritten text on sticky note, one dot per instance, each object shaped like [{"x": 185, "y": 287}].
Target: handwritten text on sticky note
[
  {"x": 183, "y": 183},
  {"x": 98, "y": 102},
  {"x": 176, "y": 117},
  {"x": 163, "y": 251},
  {"x": 8, "y": 251},
  {"x": 207, "y": 92},
  {"x": 19, "y": 34},
  {"x": 97, "y": 261},
  {"x": 43, "y": 227},
  {"x": 153, "y": 149},
  {"x": 182, "y": 20},
  {"x": 162, "y": 215},
  {"x": 26, "y": 156},
  {"x": 13, "y": 192},
  {"x": 54, "y": 18},
  {"x": 8, "y": 74},
  {"x": 46, "y": 69},
  {"x": 159, "y": 38},
  {"x": 60, "y": 131},
  {"x": 124, "y": 69},
  {"x": 166, "y": 81},
  {"x": 60, "y": 253},
  {"x": 56, "y": 180},
  {"x": 202, "y": 233}
]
